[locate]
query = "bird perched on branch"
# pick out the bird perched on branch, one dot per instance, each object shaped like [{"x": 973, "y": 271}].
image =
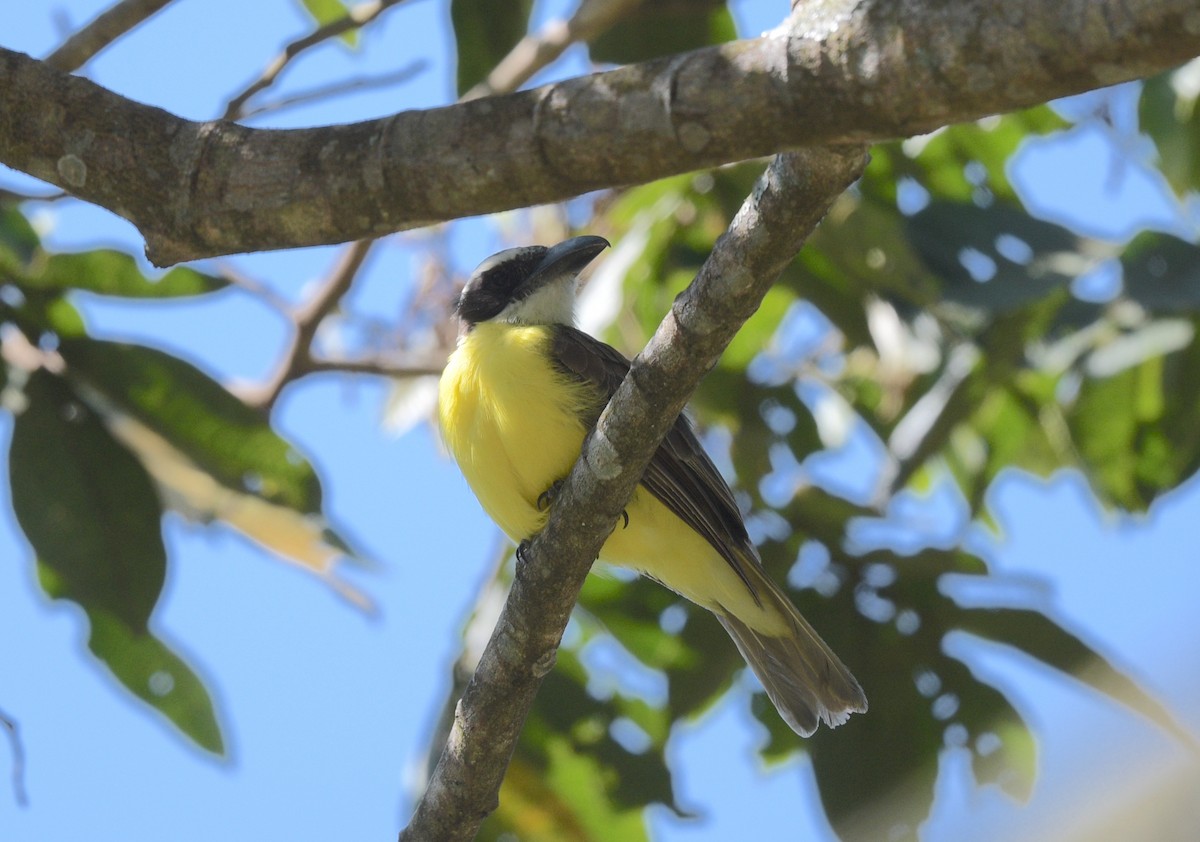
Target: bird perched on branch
[{"x": 516, "y": 400}]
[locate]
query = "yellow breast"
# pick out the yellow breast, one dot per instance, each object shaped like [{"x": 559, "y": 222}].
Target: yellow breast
[{"x": 510, "y": 420}]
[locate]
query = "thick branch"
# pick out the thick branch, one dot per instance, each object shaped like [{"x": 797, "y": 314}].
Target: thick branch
[
  {"x": 785, "y": 206},
  {"x": 840, "y": 71}
]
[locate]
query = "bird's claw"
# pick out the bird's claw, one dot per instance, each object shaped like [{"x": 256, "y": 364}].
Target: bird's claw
[{"x": 546, "y": 498}]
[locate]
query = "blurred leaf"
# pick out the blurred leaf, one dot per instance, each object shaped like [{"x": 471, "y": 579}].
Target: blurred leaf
[
  {"x": 563, "y": 801},
  {"x": 62, "y": 317},
  {"x": 1037, "y": 635},
  {"x": 964, "y": 163},
  {"x": 997, "y": 259},
  {"x": 1136, "y": 426},
  {"x": 327, "y": 11},
  {"x": 18, "y": 241},
  {"x": 755, "y": 335},
  {"x": 157, "y": 676},
  {"x": 1003, "y": 749},
  {"x": 570, "y": 778},
  {"x": 484, "y": 32},
  {"x": 664, "y": 27},
  {"x": 110, "y": 272},
  {"x": 86, "y": 505},
  {"x": 212, "y": 456},
  {"x": 1172, "y": 120},
  {"x": 1162, "y": 273},
  {"x": 196, "y": 415}
]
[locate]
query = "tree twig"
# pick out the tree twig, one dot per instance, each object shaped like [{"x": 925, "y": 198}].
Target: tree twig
[
  {"x": 357, "y": 17},
  {"x": 358, "y": 83},
  {"x": 18, "y": 758},
  {"x": 306, "y": 320},
  {"x": 107, "y": 27},
  {"x": 842, "y": 71},
  {"x": 383, "y": 365},
  {"x": 786, "y": 204},
  {"x": 534, "y": 52}
]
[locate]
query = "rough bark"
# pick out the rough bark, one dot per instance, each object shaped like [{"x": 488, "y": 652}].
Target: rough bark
[{"x": 837, "y": 71}]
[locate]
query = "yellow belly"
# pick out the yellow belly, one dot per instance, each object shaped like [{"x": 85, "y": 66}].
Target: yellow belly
[{"x": 511, "y": 421}]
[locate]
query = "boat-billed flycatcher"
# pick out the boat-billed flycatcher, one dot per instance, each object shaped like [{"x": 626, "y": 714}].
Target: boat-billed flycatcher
[{"x": 517, "y": 398}]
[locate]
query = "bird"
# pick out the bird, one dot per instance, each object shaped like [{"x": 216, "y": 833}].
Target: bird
[{"x": 517, "y": 398}]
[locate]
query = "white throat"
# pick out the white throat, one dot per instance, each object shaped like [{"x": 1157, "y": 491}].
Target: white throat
[{"x": 553, "y": 304}]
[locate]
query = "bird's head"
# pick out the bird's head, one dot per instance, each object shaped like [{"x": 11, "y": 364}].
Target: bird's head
[{"x": 532, "y": 285}]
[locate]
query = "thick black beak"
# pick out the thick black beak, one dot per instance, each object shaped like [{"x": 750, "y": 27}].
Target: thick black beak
[{"x": 568, "y": 257}]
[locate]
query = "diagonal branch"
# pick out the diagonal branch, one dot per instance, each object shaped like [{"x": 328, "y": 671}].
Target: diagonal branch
[
  {"x": 356, "y": 18},
  {"x": 533, "y": 52},
  {"x": 107, "y": 27},
  {"x": 786, "y": 204},
  {"x": 18, "y": 758},
  {"x": 840, "y": 71},
  {"x": 298, "y": 359}
]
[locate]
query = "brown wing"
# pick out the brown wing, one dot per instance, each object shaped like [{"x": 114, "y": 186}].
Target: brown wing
[{"x": 680, "y": 474}]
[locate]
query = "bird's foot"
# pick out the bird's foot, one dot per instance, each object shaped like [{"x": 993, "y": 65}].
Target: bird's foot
[
  {"x": 523, "y": 552},
  {"x": 546, "y": 498}
]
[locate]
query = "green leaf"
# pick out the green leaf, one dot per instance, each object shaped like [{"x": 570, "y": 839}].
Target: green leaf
[
  {"x": 18, "y": 241},
  {"x": 1042, "y": 638},
  {"x": 756, "y": 333},
  {"x": 327, "y": 11},
  {"x": 664, "y": 27},
  {"x": 1172, "y": 120},
  {"x": 1162, "y": 273},
  {"x": 199, "y": 417},
  {"x": 484, "y": 32},
  {"x": 110, "y": 272},
  {"x": 960, "y": 163},
  {"x": 157, "y": 676},
  {"x": 996, "y": 259},
  {"x": 1136, "y": 430},
  {"x": 86, "y": 505}
]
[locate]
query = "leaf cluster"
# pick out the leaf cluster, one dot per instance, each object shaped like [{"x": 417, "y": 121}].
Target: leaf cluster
[{"x": 110, "y": 436}]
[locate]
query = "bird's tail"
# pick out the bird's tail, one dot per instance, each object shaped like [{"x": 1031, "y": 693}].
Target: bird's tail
[{"x": 805, "y": 681}]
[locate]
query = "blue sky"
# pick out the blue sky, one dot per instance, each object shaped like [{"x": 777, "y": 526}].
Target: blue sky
[{"x": 326, "y": 711}]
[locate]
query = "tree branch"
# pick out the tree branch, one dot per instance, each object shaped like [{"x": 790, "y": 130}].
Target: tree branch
[
  {"x": 533, "y": 52},
  {"x": 839, "y": 71},
  {"x": 107, "y": 27},
  {"x": 786, "y": 204},
  {"x": 18, "y": 758},
  {"x": 359, "y": 16},
  {"x": 306, "y": 319}
]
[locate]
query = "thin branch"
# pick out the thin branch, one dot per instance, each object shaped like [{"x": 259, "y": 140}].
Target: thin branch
[
  {"x": 107, "y": 27},
  {"x": 237, "y": 278},
  {"x": 789, "y": 199},
  {"x": 360, "y": 83},
  {"x": 384, "y": 365},
  {"x": 299, "y": 361},
  {"x": 534, "y": 52},
  {"x": 7, "y": 195},
  {"x": 356, "y": 18},
  {"x": 305, "y": 322},
  {"x": 18, "y": 758},
  {"x": 840, "y": 71}
]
